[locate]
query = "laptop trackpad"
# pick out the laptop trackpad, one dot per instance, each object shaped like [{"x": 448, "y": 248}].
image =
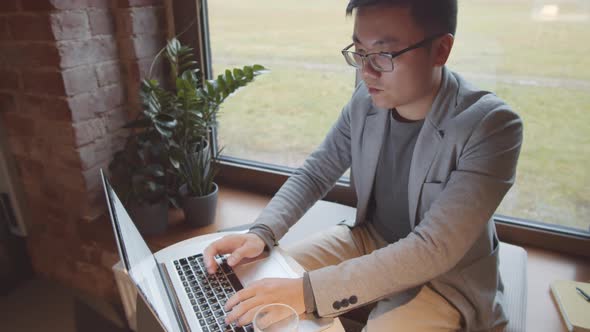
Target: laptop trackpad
[
  {"x": 275, "y": 266},
  {"x": 266, "y": 266}
]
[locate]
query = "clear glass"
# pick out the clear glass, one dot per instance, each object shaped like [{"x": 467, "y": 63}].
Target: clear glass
[
  {"x": 281, "y": 117},
  {"x": 275, "y": 317},
  {"x": 539, "y": 65}
]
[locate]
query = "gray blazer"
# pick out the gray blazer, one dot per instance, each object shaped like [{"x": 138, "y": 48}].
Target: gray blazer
[{"x": 463, "y": 164}]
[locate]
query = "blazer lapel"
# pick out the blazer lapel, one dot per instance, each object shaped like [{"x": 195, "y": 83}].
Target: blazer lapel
[
  {"x": 425, "y": 151},
  {"x": 371, "y": 143},
  {"x": 429, "y": 139}
]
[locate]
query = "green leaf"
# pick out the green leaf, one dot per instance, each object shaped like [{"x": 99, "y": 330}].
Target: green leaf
[
  {"x": 155, "y": 170},
  {"x": 258, "y": 68},
  {"x": 210, "y": 89},
  {"x": 163, "y": 130},
  {"x": 249, "y": 73},
  {"x": 238, "y": 74},
  {"x": 229, "y": 78},
  {"x": 165, "y": 120}
]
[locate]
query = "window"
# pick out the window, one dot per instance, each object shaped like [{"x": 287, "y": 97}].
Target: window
[
  {"x": 281, "y": 117},
  {"x": 539, "y": 65}
]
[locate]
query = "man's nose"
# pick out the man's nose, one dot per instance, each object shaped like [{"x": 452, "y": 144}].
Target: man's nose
[{"x": 368, "y": 71}]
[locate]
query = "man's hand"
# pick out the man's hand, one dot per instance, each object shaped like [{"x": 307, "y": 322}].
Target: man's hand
[
  {"x": 245, "y": 303},
  {"x": 239, "y": 246}
]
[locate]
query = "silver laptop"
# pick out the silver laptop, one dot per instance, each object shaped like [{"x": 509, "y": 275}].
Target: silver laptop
[{"x": 174, "y": 284}]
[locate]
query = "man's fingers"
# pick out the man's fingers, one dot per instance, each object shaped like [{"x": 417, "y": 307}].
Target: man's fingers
[
  {"x": 222, "y": 246},
  {"x": 238, "y": 297},
  {"x": 241, "y": 312},
  {"x": 248, "y": 317},
  {"x": 237, "y": 256}
]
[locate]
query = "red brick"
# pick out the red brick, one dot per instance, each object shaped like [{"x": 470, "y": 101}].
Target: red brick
[
  {"x": 101, "y": 22},
  {"x": 4, "y": 29},
  {"x": 108, "y": 73},
  {"x": 47, "y": 5},
  {"x": 8, "y": 6},
  {"x": 138, "y": 3},
  {"x": 98, "y": 230},
  {"x": 17, "y": 124},
  {"x": 30, "y": 27},
  {"x": 29, "y": 55},
  {"x": 42, "y": 147},
  {"x": 91, "y": 51},
  {"x": 66, "y": 156},
  {"x": 30, "y": 169},
  {"x": 9, "y": 79},
  {"x": 44, "y": 82},
  {"x": 7, "y": 102},
  {"x": 67, "y": 178},
  {"x": 92, "y": 205},
  {"x": 70, "y": 25},
  {"x": 48, "y": 108},
  {"x": 79, "y": 80},
  {"x": 58, "y": 133},
  {"x": 20, "y": 146}
]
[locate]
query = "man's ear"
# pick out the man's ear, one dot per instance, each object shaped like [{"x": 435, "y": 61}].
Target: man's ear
[{"x": 442, "y": 49}]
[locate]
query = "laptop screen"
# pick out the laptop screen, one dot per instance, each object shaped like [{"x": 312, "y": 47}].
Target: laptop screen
[{"x": 139, "y": 261}]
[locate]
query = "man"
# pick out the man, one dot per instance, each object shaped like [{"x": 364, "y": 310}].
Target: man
[{"x": 431, "y": 159}]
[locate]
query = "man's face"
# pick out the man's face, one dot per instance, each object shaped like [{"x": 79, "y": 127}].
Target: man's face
[{"x": 391, "y": 29}]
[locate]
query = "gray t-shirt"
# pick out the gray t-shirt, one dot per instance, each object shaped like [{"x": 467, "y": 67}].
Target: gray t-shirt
[{"x": 389, "y": 211}]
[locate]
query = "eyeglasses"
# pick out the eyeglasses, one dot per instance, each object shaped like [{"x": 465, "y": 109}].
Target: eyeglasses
[{"x": 382, "y": 61}]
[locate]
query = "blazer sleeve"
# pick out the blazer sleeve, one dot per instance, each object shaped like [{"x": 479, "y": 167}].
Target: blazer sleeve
[
  {"x": 313, "y": 180},
  {"x": 457, "y": 216}
]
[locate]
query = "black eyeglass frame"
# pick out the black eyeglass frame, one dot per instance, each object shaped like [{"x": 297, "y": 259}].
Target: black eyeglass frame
[{"x": 391, "y": 55}]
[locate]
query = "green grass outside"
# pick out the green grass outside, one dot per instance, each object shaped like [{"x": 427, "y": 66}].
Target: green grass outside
[{"x": 284, "y": 115}]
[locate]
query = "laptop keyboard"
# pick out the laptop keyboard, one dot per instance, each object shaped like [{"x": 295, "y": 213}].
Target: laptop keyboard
[{"x": 208, "y": 293}]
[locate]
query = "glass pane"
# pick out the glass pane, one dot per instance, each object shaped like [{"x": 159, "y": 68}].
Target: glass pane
[
  {"x": 539, "y": 66},
  {"x": 282, "y": 116}
]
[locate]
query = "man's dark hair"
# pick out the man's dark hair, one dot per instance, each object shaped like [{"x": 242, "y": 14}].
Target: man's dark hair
[{"x": 434, "y": 16}]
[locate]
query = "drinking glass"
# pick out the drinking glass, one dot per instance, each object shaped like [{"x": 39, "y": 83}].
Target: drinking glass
[{"x": 275, "y": 317}]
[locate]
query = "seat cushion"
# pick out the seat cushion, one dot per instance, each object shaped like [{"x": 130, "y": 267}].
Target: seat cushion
[{"x": 513, "y": 270}]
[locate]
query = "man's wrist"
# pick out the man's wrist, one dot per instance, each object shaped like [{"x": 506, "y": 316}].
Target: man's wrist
[{"x": 265, "y": 234}]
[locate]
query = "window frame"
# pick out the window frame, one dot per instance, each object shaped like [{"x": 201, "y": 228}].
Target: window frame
[{"x": 267, "y": 179}]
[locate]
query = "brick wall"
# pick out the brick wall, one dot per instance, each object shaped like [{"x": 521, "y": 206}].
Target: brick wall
[{"x": 70, "y": 73}]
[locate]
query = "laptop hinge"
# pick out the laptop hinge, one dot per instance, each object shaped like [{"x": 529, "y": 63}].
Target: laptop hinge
[{"x": 173, "y": 296}]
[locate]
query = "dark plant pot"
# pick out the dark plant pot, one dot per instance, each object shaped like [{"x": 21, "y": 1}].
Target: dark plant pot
[
  {"x": 199, "y": 211},
  {"x": 150, "y": 219}
]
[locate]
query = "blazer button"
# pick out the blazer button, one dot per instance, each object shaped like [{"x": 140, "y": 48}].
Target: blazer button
[
  {"x": 336, "y": 305},
  {"x": 344, "y": 303},
  {"x": 353, "y": 299}
]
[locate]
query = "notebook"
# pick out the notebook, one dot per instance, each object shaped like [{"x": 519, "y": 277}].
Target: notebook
[
  {"x": 574, "y": 309},
  {"x": 174, "y": 286}
]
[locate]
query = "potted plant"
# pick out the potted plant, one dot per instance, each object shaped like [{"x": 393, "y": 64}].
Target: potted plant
[
  {"x": 176, "y": 124},
  {"x": 139, "y": 173},
  {"x": 198, "y": 168}
]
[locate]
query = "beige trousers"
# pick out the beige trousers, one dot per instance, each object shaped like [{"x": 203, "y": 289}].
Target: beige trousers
[{"x": 428, "y": 311}]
